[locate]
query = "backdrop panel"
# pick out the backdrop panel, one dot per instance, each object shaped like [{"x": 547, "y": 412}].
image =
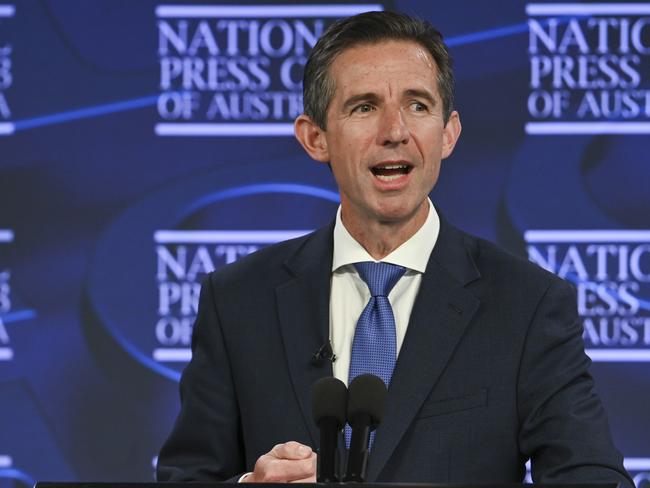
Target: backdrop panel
[{"x": 143, "y": 144}]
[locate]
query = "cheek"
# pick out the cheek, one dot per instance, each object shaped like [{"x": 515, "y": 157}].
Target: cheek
[
  {"x": 357, "y": 133},
  {"x": 352, "y": 152},
  {"x": 436, "y": 147}
]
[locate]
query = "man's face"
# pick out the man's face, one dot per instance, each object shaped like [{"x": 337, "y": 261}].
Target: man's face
[{"x": 385, "y": 134}]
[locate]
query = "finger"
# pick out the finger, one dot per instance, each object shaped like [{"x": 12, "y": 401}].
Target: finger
[
  {"x": 312, "y": 476},
  {"x": 309, "y": 465},
  {"x": 311, "y": 479},
  {"x": 291, "y": 450},
  {"x": 305, "y": 474},
  {"x": 273, "y": 470}
]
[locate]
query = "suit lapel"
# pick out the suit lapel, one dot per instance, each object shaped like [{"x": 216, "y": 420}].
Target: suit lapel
[
  {"x": 303, "y": 310},
  {"x": 440, "y": 315}
]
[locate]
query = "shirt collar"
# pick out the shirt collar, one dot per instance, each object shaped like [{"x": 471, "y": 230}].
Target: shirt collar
[{"x": 412, "y": 254}]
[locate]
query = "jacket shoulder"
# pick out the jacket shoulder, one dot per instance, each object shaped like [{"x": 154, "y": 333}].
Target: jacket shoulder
[
  {"x": 498, "y": 265},
  {"x": 271, "y": 263}
]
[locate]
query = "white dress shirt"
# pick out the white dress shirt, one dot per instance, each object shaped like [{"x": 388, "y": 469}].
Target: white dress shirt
[{"x": 350, "y": 294}]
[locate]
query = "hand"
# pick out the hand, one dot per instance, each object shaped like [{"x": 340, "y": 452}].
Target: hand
[{"x": 290, "y": 462}]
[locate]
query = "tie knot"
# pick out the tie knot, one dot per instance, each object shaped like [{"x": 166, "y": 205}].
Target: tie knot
[{"x": 380, "y": 277}]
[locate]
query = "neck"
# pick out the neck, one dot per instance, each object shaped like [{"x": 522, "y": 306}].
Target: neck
[{"x": 380, "y": 238}]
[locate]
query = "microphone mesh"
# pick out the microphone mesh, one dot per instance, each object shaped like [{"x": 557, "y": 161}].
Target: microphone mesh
[{"x": 329, "y": 398}]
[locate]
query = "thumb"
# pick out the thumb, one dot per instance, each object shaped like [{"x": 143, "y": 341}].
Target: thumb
[{"x": 291, "y": 450}]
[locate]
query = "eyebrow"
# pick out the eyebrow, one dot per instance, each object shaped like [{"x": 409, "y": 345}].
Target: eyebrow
[
  {"x": 373, "y": 97},
  {"x": 421, "y": 94},
  {"x": 362, "y": 97}
]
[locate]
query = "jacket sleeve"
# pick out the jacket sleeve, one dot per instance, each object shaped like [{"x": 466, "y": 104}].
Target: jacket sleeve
[
  {"x": 563, "y": 426},
  {"x": 206, "y": 442}
]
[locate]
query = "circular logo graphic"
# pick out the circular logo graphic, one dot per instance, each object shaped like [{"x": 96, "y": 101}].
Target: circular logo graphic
[{"x": 148, "y": 267}]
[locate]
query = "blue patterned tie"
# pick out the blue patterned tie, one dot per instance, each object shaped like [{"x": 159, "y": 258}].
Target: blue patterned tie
[{"x": 374, "y": 349}]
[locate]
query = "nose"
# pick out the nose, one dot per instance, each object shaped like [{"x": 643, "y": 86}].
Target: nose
[{"x": 393, "y": 128}]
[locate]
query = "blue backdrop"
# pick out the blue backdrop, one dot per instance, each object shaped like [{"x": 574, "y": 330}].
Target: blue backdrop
[{"x": 143, "y": 144}]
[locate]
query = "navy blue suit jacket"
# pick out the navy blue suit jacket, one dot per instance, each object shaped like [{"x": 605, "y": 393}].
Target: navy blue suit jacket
[{"x": 492, "y": 371}]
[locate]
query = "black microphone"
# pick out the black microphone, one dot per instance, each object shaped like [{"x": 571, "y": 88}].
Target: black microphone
[
  {"x": 366, "y": 398},
  {"x": 324, "y": 352},
  {"x": 329, "y": 398}
]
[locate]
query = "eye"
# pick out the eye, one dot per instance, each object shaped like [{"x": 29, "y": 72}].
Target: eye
[
  {"x": 363, "y": 108},
  {"x": 419, "y": 107}
]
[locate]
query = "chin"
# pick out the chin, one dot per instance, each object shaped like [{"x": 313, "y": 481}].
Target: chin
[
  {"x": 399, "y": 211},
  {"x": 394, "y": 216}
]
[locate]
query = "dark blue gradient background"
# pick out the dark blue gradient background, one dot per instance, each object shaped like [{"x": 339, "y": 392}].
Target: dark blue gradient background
[{"x": 74, "y": 405}]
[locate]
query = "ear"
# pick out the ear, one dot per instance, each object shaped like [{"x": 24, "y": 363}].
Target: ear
[
  {"x": 450, "y": 135},
  {"x": 312, "y": 138}
]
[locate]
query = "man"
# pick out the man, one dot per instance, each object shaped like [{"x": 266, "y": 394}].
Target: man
[{"x": 490, "y": 369}]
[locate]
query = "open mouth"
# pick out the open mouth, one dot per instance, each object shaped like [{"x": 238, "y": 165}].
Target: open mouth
[{"x": 388, "y": 172}]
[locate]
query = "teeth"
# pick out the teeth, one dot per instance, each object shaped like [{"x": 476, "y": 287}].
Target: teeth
[
  {"x": 388, "y": 178},
  {"x": 390, "y": 172}
]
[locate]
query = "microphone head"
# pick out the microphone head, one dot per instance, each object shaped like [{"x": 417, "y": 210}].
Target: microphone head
[
  {"x": 329, "y": 399},
  {"x": 367, "y": 396}
]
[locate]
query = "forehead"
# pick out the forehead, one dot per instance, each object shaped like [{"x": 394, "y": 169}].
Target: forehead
[{"x": 390, "y": 64}]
